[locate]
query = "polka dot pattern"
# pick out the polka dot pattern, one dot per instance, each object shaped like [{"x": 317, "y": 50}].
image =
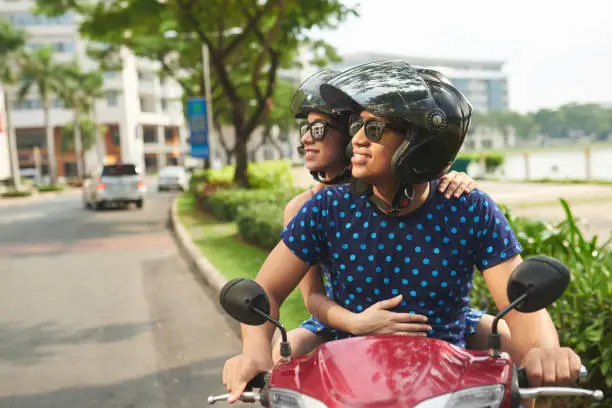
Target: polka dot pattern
[{"x": 430, "y": 261}]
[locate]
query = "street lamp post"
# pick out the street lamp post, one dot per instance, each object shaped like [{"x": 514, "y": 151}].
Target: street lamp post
[
  {"x": 207, "y": 91},
  {"x": 208, "y": 96}
]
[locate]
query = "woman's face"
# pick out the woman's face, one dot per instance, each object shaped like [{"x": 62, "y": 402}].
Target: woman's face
[
  {"x": 325, "y": 154},
  {"x": 371, "y": 161}
]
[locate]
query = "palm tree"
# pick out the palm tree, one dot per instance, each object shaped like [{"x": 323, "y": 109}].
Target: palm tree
[
  {"x": 11, "y": 43},
  {"x": 39, "y": 70},
  {"x": 92, "y": 87},
  {"x": 72, "y": 96}
]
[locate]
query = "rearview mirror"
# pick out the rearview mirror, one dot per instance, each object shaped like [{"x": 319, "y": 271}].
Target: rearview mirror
[
  {"x": 543, "y": 278},
  {"x": 245, "y": 301}
]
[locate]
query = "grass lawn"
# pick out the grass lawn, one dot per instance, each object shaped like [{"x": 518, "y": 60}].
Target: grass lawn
[{"x": 220, "y": 244}]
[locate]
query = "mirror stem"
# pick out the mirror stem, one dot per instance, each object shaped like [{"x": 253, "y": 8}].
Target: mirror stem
[
  {"x": 494, "y": 338},
  {"x": 285, "y": 347}
]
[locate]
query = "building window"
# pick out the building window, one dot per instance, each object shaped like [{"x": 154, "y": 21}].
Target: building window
[
  {"x": 115, "y": 135},
  {"x": 111, "y": 100},
  {"x": 169, "y": 134},
  {"x": 149, "y": 134},
  {"x": 487, "y": 144},
  {"x": 109, "y": 74},
  {"x": 64, "y": 47},
  {"x": 164, "y": 105},
  {"x": 70, "y": 169}
]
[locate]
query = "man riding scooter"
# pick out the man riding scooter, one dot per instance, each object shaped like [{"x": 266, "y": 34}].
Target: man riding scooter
[{"x": 390, "y": 234}]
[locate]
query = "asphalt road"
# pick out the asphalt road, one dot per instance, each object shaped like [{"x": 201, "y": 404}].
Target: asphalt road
[{"x": 98, "y": 309}]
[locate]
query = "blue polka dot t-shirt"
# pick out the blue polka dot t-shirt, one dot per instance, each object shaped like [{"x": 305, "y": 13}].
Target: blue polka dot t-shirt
[{"x": 428, "y": 255}]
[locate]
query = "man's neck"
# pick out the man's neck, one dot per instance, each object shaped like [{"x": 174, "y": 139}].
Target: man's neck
[
  {"x": 333, "y": 173},
  {"x": 387, "y": 192}
]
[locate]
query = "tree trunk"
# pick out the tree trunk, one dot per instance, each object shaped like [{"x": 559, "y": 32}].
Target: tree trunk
[
  {"x": 51, "y": 159},
  {"x": 240, "y": 175},
  {"x": 100, "y": 145},
  {"x": 12, "y": 142},
  {"x": 223, "y": 143},
  {"x": 78, "y": 145}
]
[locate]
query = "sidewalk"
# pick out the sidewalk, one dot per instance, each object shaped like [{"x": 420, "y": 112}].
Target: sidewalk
[
  {"x": 5, "y": 202},
  {"x": 590, "y": 203}
]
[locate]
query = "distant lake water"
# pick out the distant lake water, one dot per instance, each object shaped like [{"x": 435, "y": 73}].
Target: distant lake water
[{"x": 558, "y": 165}]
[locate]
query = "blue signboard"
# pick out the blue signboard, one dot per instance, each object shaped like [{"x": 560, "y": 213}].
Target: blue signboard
[{"x": 198, "y": 127}]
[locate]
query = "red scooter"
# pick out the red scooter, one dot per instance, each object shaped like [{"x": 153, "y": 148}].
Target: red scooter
[{"x": 401, "y": 371}]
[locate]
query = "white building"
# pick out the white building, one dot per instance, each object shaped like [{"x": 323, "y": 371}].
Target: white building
[{"x": 143, "y": 116}]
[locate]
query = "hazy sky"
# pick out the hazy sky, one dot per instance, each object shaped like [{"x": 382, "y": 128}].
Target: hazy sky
[{"x": 556, "y": 51}]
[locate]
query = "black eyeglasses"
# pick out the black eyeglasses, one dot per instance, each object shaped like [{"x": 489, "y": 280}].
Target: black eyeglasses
[
  {"x": 318, "y": 129},
  {"x": 373, "y": 128}
]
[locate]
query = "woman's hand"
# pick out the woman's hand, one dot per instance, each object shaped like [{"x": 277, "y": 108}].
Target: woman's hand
[
  {"x": 378, "y": 319},
  {"x": 456, "y": 183}
]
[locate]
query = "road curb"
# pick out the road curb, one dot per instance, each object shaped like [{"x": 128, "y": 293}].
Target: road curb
[
  {"x": 199, "y": 264},
  {"x": 194, "y": 257}
]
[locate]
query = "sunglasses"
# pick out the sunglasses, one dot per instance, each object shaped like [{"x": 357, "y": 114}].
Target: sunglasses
[
  {"x": 373, "y": 128},
  {"x": 318, "y": 129}
]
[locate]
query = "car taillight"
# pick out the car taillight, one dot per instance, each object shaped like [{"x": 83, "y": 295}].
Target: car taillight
[
  {"x": 101, "y": 186},
  {"x": 140, "y": 184}
]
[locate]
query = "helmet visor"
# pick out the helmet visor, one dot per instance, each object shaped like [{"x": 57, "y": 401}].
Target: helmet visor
[
  {"x": 387, "y": 88},
  {"x": 308, "y": 97}
]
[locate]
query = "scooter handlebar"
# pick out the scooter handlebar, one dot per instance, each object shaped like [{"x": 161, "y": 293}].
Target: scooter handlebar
[
  {"x": 523, "y": 381},
  {"x": 259, "y": 381},
  {"x": 527, "y": 393}
]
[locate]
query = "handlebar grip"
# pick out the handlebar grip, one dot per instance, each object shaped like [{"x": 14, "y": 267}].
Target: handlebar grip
[
  {"x": 523, "y": 380},
  {"x": 259, "y": 381}
]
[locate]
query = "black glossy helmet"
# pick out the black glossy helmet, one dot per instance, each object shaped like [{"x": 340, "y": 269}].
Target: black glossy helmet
[
  {"x": 437, "y": 112},
  {"x": 308, "y": 99}
]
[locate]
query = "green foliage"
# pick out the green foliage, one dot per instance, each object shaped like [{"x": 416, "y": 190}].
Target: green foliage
[
  {"x": 583, "y": 315},
  {"x": 51, "y": 188},
  {"x": 226, "y": 204},
  {"x": 270, "y": 174},
  {"x": 17, "y": 193},
  {"x": 492, "y": 159},
  {"x": 589, "y": 118},
  {"x": 11, "y": 38},
  {"x": 248, "y": 44},
  {"x": 88, "y": 135},
  {"x": 260, "y": 223}
]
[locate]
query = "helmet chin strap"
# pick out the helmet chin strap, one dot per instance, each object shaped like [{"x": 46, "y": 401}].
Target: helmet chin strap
[
  {"x": 320, "y": 176},
  {"x": 401, "y": 199}
]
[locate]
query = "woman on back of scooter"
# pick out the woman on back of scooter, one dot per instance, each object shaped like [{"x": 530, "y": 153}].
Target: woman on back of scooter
[
  {"x": 324, "y": 137},
  {"x": 395, "y": 233}
]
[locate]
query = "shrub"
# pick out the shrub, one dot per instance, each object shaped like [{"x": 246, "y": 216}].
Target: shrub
[
  {"x": 197, "y": 181},
  {"x": 270, "y": 174},
  {"x": 492, "y": 159},
  {"x": 51, "y": 188},
  {"x": 264, "y": 175},
  {"x": 583, "y": 315},
  {"x": 225, "y": 204},
  {"x": 260, "y": 223},
  {"x": 15, "y": 194}
]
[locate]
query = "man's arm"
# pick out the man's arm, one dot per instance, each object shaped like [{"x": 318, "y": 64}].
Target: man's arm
[
  {"x": 535, "y": 343},
  {"x": 278, "y": 276},
  {"x": 528, "y": 330}
]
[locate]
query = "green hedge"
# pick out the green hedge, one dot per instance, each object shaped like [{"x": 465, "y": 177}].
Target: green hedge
[
  {"x": 583, "y": 315},
  {"x": 261, "y": 223},
  {"x": 51, "y": 188},
  {"x": 492, "y": 159},
  {"x": 225, "y": 204},
  {"x": 269, "y": 174},
  {"x": 15, "y": 194}
]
